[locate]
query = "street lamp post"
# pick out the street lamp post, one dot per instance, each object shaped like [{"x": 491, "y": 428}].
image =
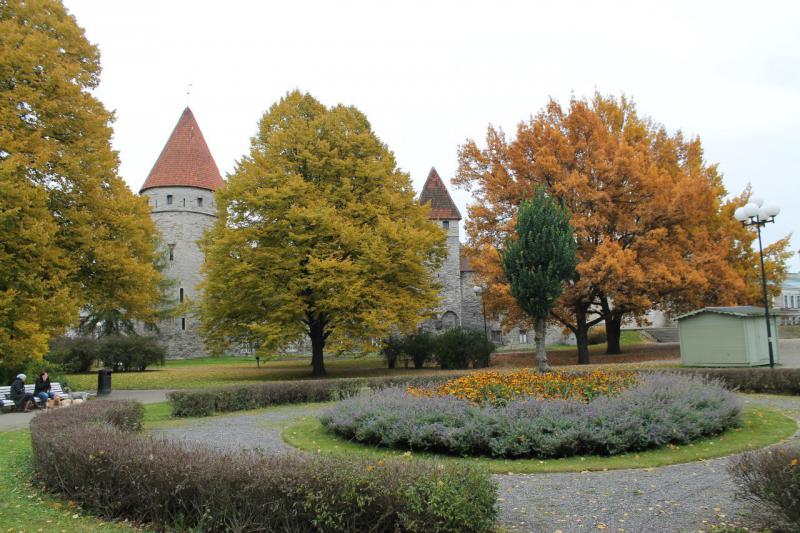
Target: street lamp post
[
  {"x": 479, "y": 293},
  {"x": 755, "y": 213}
]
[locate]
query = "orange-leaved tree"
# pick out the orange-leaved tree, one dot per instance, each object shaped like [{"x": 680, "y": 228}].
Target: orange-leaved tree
[{"x": 647, "y": 211}]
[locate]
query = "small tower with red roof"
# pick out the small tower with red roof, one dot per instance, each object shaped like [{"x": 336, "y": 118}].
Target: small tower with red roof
[
  {"x": 180, "y": 189},
  {"x": 443, "y": 211}
]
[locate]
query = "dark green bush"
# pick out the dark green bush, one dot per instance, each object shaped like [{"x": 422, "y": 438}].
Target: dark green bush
[
  {"x": 458, "y": 348},
  {"x": 206, "y": 402},
  {"x": 764, "y": 379},
  {"x": 73, "y": 354},
  {"x": 419, "y": 347},
  {"x": 416, "y": 347},
  {"x": 771, "y": 479},
  {"x": 117, "y": 474},
  {"x": 597, "y": 335},
  {"x": 392, "y": 349},
  {"x": 125, "y": 353}
]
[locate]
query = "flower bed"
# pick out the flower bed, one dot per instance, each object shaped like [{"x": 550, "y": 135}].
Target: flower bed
[
  {"x": 656, "y": 410},
  {"x": 100, "y": 462},
  {"x": 498, "y": 388}
]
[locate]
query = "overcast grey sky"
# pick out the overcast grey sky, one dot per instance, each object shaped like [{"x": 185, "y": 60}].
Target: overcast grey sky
[{"x": 431, "y": 74}]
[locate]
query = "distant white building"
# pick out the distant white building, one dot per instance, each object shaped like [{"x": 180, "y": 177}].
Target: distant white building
[{"x": 788, "y": 301}]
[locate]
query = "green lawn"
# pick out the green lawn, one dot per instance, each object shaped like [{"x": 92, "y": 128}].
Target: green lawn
[
  {"x": 218, "y": 371},
  {"x": 627, "y": 338},
  {"x": 761, "y": 427}
]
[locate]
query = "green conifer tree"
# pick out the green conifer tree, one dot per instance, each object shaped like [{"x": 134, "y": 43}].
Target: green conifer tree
[{"x": 538, "y": 261}]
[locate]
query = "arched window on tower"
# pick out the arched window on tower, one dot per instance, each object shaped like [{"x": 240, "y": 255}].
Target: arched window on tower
[
  {"x": 171, "y": 252},
  {"x": 169, "y": 199},
  {"x": 199, "y": 201},
  {"x": 449, "y": 320},
  {"x": 181, "y": 295}
]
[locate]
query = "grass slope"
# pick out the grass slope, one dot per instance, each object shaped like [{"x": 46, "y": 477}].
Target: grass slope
[
  {"x": 24, "y": 507},
  {"x": 214, "y": 372},
  {"x": 761, "y": 427}
]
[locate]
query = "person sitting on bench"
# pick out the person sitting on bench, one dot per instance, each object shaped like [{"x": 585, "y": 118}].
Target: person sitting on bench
[
  {"x": 42, "y": 388},
  {"x": 21, "y": 399}
]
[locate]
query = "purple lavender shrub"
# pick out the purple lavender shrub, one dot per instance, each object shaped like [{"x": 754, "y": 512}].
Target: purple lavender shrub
[{"x": 662, "y": 408}]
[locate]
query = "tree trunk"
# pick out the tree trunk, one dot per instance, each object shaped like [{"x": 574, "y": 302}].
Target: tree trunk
[
  {"x": 582, "y": 334},
  {"x": 540, "y": 331},
  {"x": 316, "y": 331},
  {"x": 613, "y": 333}
]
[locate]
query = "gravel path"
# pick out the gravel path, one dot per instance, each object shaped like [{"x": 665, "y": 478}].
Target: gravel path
[
  {"x": 259, "y": 432},
  {"x": 681, "y": 497}
]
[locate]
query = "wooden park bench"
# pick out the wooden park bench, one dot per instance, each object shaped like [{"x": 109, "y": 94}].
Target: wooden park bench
[{"x": 55, "y": 388}]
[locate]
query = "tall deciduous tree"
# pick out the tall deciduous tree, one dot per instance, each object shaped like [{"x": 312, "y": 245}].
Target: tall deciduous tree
[
  {"x": 538, "y": 261},
  {"x": 73, "y": 234},
  {"x": 317, "y": 234},
  {"x": 647, "y": 211}
]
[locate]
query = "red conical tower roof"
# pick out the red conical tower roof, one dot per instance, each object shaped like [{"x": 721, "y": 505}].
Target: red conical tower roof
[
  {"x": 185, "y": 160},
  {"x": 435, "y": 192}
]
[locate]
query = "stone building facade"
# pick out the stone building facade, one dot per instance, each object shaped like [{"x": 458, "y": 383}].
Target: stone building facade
[
  {"x": 180, "y": 190},
  {"x": 461, "y": 304},
  {"x": 443, "y": 212}
]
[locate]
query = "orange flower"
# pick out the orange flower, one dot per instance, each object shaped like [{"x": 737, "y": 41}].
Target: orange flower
[{"x": 499, "y": 388}]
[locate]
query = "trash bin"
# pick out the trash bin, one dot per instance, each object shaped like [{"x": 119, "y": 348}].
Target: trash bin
[{"x": 103, "y": 381}]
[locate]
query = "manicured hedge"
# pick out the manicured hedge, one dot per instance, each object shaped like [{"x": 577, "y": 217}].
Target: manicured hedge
[
  {"x": 771, "y": 479},
  {"x": 91, "y": 454},
  {"x": 761, "y": 379},
  {"x": 206, "y": 402},
  {"x": 658, "y": 410}
]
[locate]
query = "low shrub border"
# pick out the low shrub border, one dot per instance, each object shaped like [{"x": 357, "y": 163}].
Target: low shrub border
[
  {"x": 111, "y": 471},
  {"x": 771, "y": 480},
  {"x": 206, "y": 402},
  {"x": 760, "y": 427},
  {"x": 758, "y": 380},
  {"x": 659, "y": 409}
]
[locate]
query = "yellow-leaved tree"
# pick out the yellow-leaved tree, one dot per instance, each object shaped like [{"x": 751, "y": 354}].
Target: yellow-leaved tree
[
  {"x": 72, "y": 234},
  {"x": 317, "y": 234}
]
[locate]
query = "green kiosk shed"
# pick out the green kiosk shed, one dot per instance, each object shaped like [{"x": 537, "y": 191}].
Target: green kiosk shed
[{"x": 727, "y": 336}]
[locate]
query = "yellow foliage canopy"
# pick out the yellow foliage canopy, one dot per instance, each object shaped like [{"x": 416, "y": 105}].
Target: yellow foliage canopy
[
  {"x": 318, "y": 234},
  {"x": 73, "y": 234}
]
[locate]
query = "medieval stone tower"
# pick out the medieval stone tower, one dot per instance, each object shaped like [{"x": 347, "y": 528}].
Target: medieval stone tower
[
  {"x": 180, "y": 189},
  {"x": 460, "y": 306}
]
